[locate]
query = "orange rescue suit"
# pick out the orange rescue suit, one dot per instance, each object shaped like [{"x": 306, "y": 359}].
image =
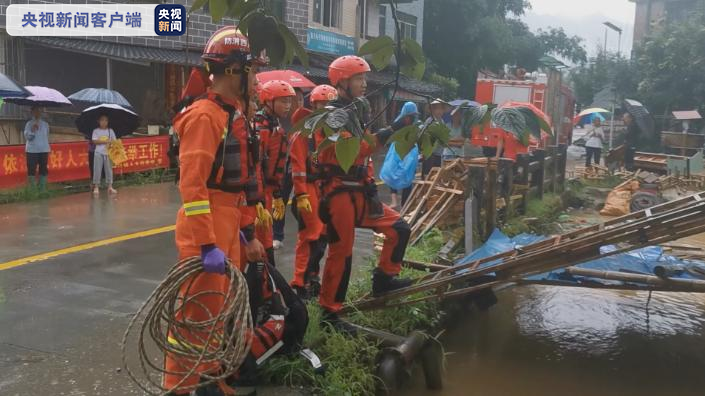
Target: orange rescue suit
[{"x": 209, "y": 215}]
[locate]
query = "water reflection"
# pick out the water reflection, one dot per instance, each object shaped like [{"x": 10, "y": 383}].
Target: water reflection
[{"x": 557, "y": 341}]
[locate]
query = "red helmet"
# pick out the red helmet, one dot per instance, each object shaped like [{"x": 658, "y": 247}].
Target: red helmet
[
  {"x": 346, "y": 67},
  {"x": 226, "y": 45},
  {"x": 324, "y": 93},
  {"x": 274, "y": 89}
]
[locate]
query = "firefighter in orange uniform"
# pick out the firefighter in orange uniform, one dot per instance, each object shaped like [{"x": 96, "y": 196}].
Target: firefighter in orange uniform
[
  {"x": 350, "y": 200},
  {"x": 276, "y": 98},
  {"x": 214, "y": 164},
  {"x": 311, "y": 243}
]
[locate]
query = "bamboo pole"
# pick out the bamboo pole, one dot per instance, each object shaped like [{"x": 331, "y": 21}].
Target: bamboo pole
[{"x": 689, "y": 285}]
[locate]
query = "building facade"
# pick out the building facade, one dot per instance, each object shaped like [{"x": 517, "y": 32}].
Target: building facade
[
  {"x": 150, "y": 71},
  {"x": 651, "y": 14}
]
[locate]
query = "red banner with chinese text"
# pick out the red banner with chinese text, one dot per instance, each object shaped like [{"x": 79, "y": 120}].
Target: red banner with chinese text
[{"x": 69, "y": 161}]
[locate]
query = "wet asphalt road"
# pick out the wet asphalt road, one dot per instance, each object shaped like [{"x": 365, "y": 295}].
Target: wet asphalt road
[{"x": 62, "y": 319}]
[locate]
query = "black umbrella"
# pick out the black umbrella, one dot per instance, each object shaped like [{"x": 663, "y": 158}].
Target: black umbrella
[
  {"x": 641, "y": 116},
  {"x": 100, "y": 96},
  {"x": 121, "y": 120},
  {"x": 10, "y": 89}
]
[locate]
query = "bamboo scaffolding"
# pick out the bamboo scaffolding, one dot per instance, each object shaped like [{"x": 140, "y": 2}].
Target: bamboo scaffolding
[{"x": 660, "y": 224}]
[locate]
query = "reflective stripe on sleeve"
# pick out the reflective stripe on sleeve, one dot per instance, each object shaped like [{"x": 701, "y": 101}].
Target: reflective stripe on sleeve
[{"x": 197, "y": 208}]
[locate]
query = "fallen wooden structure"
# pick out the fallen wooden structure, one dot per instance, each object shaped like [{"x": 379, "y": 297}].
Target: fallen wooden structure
[
  {"x": 657, "y": 225},
  {"x": 499, "y": 188}
]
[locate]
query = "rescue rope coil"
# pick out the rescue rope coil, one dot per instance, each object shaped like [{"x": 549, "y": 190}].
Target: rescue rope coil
[{"x": 160, "y": 327}]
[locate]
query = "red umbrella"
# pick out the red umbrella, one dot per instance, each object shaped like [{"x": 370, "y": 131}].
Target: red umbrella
[{"x": 296, "y": 79}]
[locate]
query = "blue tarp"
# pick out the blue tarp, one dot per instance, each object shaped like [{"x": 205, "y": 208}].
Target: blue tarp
[{"x": 641, "y": 261}]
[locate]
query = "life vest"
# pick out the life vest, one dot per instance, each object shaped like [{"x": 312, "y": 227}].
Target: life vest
[
  {"x": 273, "y": 139},
  {"x": 236, "y": 158}
]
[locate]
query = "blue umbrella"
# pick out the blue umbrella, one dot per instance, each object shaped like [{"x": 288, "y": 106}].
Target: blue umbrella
[
  {"x": 99, "y": 96},
  {"x": 10, "y": 89}
]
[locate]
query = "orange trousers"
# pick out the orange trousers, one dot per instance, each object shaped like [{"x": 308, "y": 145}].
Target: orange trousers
[
  {"x": 347, "y": 211},
  {"x": 310, "y": 245},
  {"x": 226, "y": 223}
]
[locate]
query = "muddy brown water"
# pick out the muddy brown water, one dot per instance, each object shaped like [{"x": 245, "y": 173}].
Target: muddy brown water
[{"x": 566, "y": 341}]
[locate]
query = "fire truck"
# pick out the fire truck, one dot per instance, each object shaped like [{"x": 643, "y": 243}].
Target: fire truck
[{"x": 553, "y": 98}]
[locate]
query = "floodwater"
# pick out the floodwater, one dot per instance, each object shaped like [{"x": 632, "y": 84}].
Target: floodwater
[{"x": 568, "y": 341}]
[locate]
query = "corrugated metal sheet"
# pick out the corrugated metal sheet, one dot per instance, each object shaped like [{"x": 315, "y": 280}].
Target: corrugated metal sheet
[{"x": 119, "y": 51}]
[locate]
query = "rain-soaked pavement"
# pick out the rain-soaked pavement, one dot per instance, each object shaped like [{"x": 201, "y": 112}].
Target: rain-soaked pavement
[{"x": 62, "y": 319}]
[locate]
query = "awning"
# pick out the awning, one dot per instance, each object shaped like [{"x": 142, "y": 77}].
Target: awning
[{"x": 119, "y": 51}]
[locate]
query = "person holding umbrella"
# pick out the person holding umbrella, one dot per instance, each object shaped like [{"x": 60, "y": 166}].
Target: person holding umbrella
[
  {"x": 36, "y": 133},
  {"x": 595, "y": 140},
  {"x": 102, "y": 136}
]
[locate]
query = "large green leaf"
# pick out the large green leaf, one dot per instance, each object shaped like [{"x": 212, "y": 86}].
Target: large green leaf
[
  {"x": 426, "y": 144},
  {"x": 288, "y": 44},
  {"x": 413, "y": 62},
  {"x": 218, "y": 9},
  {"x": 474, "y": 116},
  {"x": 197, "y": 5},
  {"x": 532, "y": 121},
  {"x": 439, "y": 131},
  {"x": 240, "y": 8},
  {"x": 252, "y": 18},
  {"x": 346, "y": 151},
  {"x": 381, "y": 58},
  {"x": 405, "y": 135},
  {"x": 511, "y": 120},
  {"x": 293, "y": 45},
  {"x": 370, "y": 139},
  {"x": 263, "y": 33},
  {"x": 414, "y": 50},
  {"x": 545, "y": 125},
  {"x": 402, "y": 148},
  {"x": 415, "y": 71},
  {"x": 328, "y": 131},
  {"x": 377, "y": 44}
]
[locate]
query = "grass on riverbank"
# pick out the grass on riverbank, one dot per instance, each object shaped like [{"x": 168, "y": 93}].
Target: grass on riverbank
[
  {"x": 350, "y": 361},
  {"x": 541, "y": 217},
  {"x": 32, "y": 193}
]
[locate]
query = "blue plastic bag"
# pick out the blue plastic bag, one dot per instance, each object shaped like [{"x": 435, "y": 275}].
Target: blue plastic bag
[{"x": 399, "y": 174}]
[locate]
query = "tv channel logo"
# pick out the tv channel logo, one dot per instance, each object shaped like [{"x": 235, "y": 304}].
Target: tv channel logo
[{"x": 170, "y": 20}]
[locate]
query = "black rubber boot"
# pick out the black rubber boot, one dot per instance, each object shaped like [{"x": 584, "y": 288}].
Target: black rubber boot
[
  {"x": 314, "y": 287},
  {"x": 331, "y": 320},
  {"x": 383, "y": 283}
]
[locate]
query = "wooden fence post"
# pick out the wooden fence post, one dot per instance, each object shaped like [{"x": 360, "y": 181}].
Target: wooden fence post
[
  {"x": 523, "y": 173},
  {"x": 538, "y": 176},
  {"x": 491, "y": 194},
  {"x": 476, "y": 187},
  {"x": 506, "y": 172},
  {"x": 551, "y": 163},
  {"x": 563, "y": 152}
]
